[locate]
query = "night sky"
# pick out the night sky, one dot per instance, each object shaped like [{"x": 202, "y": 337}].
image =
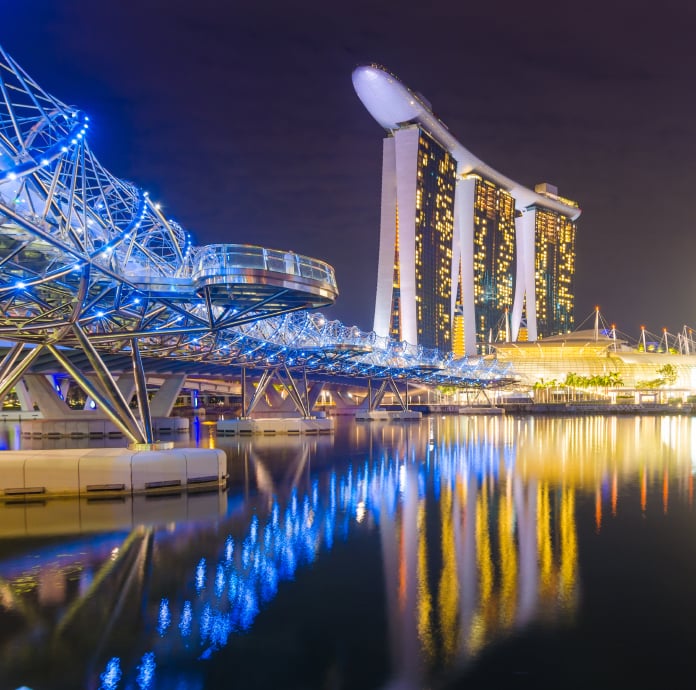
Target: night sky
[{"x": 241, "y": 119}]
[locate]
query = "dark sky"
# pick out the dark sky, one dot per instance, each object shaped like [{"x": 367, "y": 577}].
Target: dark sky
[{"x": 241, "y": 119}]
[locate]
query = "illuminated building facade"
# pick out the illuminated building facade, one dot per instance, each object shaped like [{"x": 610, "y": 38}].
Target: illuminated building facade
[
  {"x": 415, "y": 277},
  {"x": 512, "y": 249},
  {"x": 494, "y": 256},
  {"x": 555, "y": 269},
  {"x": 546, "y": 268}
]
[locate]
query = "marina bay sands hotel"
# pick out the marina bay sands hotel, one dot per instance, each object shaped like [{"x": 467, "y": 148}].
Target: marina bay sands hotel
[{"x": 466, "y": 255}]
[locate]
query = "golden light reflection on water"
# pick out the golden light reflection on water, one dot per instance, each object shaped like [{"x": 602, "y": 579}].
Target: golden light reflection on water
[
  {"x": 425, "y": 628},
  {"x": 448, "y": 599},
  {"x": 496, "y": 530}
]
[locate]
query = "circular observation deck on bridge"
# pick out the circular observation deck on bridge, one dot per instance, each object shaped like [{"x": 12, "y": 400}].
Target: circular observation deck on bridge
[{"x": 246, "y": 275}]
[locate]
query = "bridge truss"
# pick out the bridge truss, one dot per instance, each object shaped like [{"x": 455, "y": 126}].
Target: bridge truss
[{"x": 88, "y": 261}]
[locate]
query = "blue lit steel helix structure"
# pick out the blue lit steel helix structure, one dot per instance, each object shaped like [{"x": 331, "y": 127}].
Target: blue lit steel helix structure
[{"x": 89, "y": 262}]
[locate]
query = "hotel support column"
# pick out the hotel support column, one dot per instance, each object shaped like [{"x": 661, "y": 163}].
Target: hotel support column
[
  {"x": 463, "y": 249},
  {"x": 399, "y": 180},
  {"x": 525, "y": 284}
]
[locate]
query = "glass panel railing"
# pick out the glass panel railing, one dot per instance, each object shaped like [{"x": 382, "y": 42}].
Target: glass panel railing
[{"x": 226, "y": 259}]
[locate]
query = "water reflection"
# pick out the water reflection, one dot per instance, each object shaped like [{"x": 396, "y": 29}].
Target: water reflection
[{"x": 475, "y": 523}]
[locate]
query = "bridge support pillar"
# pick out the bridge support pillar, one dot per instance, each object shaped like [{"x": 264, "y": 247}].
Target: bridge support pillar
[
  {"x": 297, "y": 388},
  {"x": 35, "y": 392},
  {"x": 314, "y": 392},
  {"x": 163, "y": 401},
  {"x": 375, "y": 401}
]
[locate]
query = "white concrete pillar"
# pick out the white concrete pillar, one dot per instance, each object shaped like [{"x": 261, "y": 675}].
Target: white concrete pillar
[
  {"x": 525, "y": 281},
  {"x": 164, "y": 399},
  {"x": 463, "y": 245}
]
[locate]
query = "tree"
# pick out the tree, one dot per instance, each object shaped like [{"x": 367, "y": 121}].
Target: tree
[
  {"x": 668, "y": 373},
  {"x": 667, "y": 376},
  {"x": 545, "y": 386},
  {"x": 615, "y": 379}
]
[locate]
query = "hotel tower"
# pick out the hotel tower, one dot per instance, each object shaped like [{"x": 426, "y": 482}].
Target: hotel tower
[{"x": 466, "y": 255}]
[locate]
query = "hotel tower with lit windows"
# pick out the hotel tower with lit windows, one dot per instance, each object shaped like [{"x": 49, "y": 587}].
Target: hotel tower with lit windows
[{"x": 467, "y": 256}]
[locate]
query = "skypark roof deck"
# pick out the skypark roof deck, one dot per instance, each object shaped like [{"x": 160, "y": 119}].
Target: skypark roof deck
[{"x": 393, "y": 104}]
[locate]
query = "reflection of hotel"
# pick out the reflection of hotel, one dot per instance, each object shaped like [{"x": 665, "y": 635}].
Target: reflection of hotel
[
  {"x": 466, "y": 254},
  {"x": 493, "y": 555}
]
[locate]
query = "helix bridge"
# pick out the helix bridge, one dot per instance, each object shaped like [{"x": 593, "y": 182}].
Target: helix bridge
[{"x": 89, "y": 264}]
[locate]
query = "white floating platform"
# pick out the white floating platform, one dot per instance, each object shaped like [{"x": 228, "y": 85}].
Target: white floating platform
[
  {"x": 95, "y": 472},
  {"x": 270, "y": 427},
  {"x": 388, "y": 415},
  {"x": 96, "y": 428},
  {"x": 481, "y": 410}
]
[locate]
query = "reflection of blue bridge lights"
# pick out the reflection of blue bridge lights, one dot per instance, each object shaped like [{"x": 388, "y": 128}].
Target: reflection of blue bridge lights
[
  {"x": 112, "y": 675},
  {"x": 186, "y": 619},
  {"x": 219, "y": 580},
  {"x": 200, "y": 575},
  {"x": 146, "y": 671},
  {"x": 165, "y": 617},
  {"x": 274, "y": 548}
]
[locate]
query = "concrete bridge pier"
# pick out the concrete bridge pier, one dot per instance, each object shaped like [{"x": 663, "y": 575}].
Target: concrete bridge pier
[
  {"x": 162, "y": 402},
  {"x": 371, "y": 410},
  {"x": 267, "y": 412}
]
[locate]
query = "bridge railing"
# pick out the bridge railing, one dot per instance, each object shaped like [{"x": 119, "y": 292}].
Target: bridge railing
[{"x": 231, "y": 259}]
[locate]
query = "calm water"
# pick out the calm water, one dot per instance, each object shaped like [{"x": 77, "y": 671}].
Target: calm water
[{"x": 472, "y": 553}]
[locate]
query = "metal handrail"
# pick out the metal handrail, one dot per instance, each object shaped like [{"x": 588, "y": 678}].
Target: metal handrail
[{"x": 225, "y": 259}]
